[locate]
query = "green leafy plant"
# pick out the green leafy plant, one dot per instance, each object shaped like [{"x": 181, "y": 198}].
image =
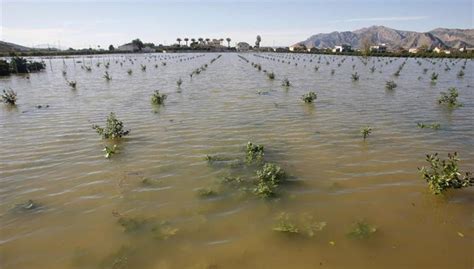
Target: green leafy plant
[
  {"x": 450, "y": 98},
  {"x": 143, "y": 67},
  {"x": 129, "y": 71},
  {"x": 206, "y": 192},
  {"x": 9, "y": 97},
  {"x": 461, "y": 73},
  {"x": 390, "y": 85},
  {"x": 434, "y": 77},
  {"x": 109, "y": 151},
  {"x": 268, "y": 180},
  {"x": 445, "y": 174},
  {"x": 286, "y": 83},
  {"x": 157, "y": 98},
  {"x": 362, "y": 230},
  {"x": 113, "y": 128},
  {"x": 271, "y": 75},
  {"x": 309, "y": 97},
  {"x": 254, "y": 152},
  {"x": 311, "y": 226},
  {"x": 366, "y": 131}
]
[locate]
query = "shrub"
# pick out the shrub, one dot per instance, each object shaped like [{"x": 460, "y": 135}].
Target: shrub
[
  {"x": 268, "y": 180},
  {"x": 113, "y": 128},
  {"x": 9, "y": 97},
  {"x": 21, "y": 65},
  {"x": 309, "y": 97},
  {"x": 157, "y": 98},
  {"x": 109, "y": 151},
  {"x": 390, "y": 85},
  {"x": 449, "y": 98},
  {"x": 445, "y": 174}
]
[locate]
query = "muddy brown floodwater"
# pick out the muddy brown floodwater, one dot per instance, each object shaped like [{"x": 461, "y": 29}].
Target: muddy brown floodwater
[{"x": 142, "y": 209}]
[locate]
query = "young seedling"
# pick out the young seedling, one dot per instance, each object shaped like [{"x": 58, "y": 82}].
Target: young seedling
[
  {"x": 355, "y": 76},
  {"x": 362, "y": 230},
  {"x": 107, "y": 76},
  {"x": 157, "y": 98},
  {"x": 309, "y": 97},
  {"x": 271, "y": 75},
  {"x": 129, "y": 71},
  {"x": 109, "y": 151},
  {"x": 460, "y": 73},
  {"x": 286, "y": 83},
  {"x": 434, "y": 77},
  {"x": 179, "y": 82},
  {"x": 390, "y": 85},
  {"x": 9, "y": 97},
  {"x": 113, "y": 128},
  {"x": 72, "y": 84},
  {"x": 366, "y": 131},
  {"x": 445, "y": 174},
  {"x": 143, "y": 67},
  {"x": 450, "y": 98}
]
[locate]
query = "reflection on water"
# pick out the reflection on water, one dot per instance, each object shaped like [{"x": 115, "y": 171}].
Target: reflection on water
[{"x": 142, "y": 208}]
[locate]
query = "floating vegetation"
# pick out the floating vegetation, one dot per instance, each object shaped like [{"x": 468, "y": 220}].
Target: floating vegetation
[
  {"x": 9, "y": 97},
  {"x": 29, "y": 205},
  {"x": 132, "y": 225},
  {"x": 284, "y": 225},
  {"x": 268, "y": 180},
  {"x": 361, "y": 230},
  {"x": 444, "y": 174},
  {"x": 113, "y": 128},
  {"x": 163, "y": 231},
  {"x": 450, "y": 98},
  {"x": 254, "y": 153},
  {"x": 157, "y": 98},
  {"x": 206, "y": 192},
  {"x": 434, "y": 126},
  {"x": 286, "y": 83},
  {"x": 109, "y": 151},
  {"x": 311, "y": 226},
  {"x": 390, "y": 85},
  {"x": 271, "y": 75},
  {"x": 366, "y": 131},
  {"x": 309, "y": 97}
]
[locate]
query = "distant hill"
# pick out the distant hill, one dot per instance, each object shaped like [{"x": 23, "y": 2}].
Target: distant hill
[
  {"x": 454, "y": 38},
  {"x": 7, "y": 47}
]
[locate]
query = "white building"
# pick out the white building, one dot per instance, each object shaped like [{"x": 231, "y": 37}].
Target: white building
[{"x": 378, "y": 48}]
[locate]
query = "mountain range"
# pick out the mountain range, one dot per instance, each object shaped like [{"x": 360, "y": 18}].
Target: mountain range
[{"x": 394, "y": 39}]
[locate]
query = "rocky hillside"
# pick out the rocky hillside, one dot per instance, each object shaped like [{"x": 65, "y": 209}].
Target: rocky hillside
[
  {"x": 7, "y": 47},
  {"x": 394, "y": 39}
]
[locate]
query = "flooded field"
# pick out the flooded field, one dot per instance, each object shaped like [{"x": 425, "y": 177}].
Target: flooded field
[{"x": 178, "y": 193}]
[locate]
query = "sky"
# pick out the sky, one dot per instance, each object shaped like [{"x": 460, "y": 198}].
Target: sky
[{"x": 87, "y": 23}]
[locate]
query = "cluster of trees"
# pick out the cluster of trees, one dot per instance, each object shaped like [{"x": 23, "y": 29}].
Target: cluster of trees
[
  {"x": 201, "y": 41},
  {"x": 19, "y": 65}
]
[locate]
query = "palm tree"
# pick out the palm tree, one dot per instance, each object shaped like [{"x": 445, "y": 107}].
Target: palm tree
[
  {"x": 179, "y": 41},
  {"x": 186, "y": 40},
  {"x": 228, "y": 41}
]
